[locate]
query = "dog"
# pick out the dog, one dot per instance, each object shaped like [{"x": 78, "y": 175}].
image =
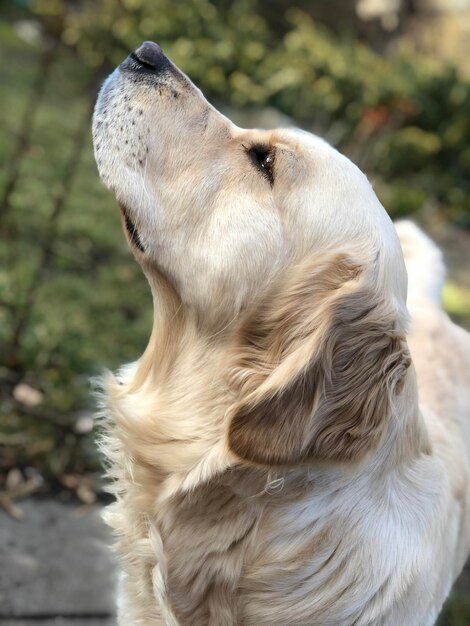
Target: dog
[{"x": 293, "y": 445}]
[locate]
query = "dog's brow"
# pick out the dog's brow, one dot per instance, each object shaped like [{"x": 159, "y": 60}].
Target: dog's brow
[
  {"x": 283, "y": 150},
  {"x": 204, "y": 118}
]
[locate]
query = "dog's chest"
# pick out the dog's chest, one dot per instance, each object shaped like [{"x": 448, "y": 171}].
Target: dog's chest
[{"x": 204, "y": 538}]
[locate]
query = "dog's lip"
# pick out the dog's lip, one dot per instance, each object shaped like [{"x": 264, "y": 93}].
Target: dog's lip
[{"x": 131, "y": 228}]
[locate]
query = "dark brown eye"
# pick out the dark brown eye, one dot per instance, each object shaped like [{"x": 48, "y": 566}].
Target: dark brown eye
[
  {"x": 263, "y": 158},
  {"x": 266, "y": 161}
]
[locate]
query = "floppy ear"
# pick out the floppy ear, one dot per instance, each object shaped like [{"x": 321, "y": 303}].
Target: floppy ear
[{"x": 317, "y": 365}]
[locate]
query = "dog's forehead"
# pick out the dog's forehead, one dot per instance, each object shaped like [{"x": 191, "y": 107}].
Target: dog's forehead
[
  {"x": 315, "y": 159},
  {"x": 308, "y": 144}
]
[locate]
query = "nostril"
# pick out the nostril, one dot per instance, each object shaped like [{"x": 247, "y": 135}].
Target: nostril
[{"x": 150, "y": 55}]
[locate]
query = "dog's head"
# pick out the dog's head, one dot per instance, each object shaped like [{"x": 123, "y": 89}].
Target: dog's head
[{"x": 274, "y": 233}]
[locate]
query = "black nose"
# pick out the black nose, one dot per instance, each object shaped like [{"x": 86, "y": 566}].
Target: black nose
[{"x": 150, "y": 56}]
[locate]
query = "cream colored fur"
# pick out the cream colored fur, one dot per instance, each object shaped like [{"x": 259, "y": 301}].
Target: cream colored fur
[{"x": 277, "y": 455}]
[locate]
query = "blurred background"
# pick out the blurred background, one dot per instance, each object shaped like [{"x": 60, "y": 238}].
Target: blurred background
[{"x": 386, "y": 81}]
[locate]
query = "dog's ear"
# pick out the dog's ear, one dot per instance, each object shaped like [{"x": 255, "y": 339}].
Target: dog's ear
[{"x": 318, "y": 363}]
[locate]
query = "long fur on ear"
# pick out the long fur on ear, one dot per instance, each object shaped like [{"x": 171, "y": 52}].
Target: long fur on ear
[{"x": 317, "y": 365}]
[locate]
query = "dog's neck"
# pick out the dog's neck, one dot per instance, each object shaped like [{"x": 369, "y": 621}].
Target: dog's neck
[{"x": 178, "y": 394}]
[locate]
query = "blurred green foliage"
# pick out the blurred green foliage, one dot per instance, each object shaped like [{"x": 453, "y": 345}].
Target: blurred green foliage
[
  {"x": 83, "y": 316},
  {"x": 456, "y": 610},
  {"x": 402, "y": 117}
]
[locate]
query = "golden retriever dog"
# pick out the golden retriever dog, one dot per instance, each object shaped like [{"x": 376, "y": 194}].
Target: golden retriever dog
[{"x": 292, "y": 448}]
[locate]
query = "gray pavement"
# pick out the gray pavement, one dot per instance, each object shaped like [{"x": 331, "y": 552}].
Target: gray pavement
[{"x": 55, "y": 567}]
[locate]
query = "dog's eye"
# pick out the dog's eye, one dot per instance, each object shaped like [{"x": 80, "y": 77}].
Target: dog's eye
[{"x": 263, "y": 158}]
